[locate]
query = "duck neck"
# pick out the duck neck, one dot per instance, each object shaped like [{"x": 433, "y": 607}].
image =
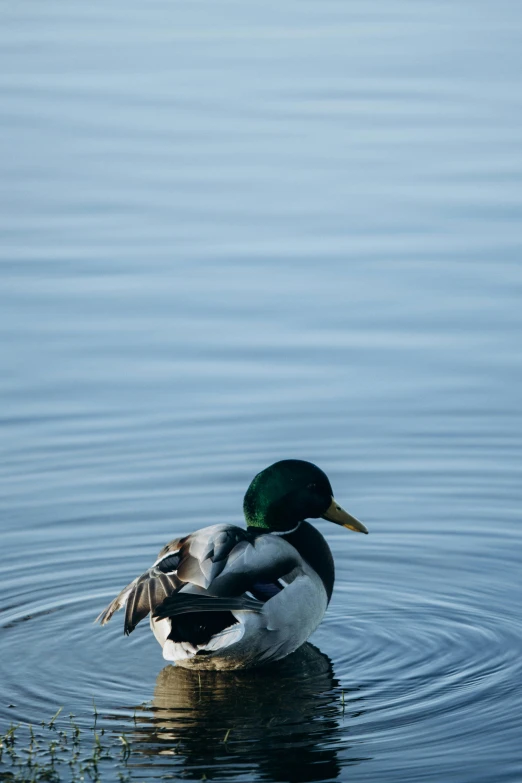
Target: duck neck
[{"x": 313, "y": 548}]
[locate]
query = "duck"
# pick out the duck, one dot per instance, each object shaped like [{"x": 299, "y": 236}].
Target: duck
[{"x": 229, "y": 597}]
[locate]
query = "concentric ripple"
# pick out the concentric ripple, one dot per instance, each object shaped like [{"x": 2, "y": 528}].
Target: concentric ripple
[{"x": 409, "y": 664}]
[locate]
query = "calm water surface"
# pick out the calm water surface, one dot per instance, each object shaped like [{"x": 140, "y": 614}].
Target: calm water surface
[{"x": 235, "y": 233}]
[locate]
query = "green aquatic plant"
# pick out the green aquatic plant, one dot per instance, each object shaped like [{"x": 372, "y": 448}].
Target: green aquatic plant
[{"x": 57, "y": 751}]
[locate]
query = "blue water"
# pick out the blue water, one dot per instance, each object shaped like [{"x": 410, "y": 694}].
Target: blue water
[{"x": 236, "y": 233}]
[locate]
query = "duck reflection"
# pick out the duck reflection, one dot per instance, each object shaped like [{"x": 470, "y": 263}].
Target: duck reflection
[{"x": 281, "y": 723}]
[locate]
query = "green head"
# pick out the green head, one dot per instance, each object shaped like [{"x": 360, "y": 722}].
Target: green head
[{"x": 289, "y": 491}]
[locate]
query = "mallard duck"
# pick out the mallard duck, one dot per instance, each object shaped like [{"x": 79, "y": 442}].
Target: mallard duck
[{"x": 226, "y": 597}]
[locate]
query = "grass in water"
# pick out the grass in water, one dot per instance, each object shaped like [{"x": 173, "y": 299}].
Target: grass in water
[{"x": 57, "y": 751}]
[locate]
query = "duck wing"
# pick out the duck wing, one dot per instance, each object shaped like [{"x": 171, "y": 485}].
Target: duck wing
[
  {"x": 209, "y": 570},
  {"x": 148, "y": 590}
]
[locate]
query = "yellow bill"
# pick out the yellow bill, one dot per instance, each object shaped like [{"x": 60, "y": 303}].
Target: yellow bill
[{"x": 335, "y": 513}]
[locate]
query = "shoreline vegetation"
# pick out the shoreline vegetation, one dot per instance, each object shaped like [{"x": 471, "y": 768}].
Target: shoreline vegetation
[{"x": 60, "y": 750}]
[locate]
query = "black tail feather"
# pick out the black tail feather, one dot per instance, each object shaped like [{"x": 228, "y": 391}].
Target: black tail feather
[{"x": 183, "y": 603}]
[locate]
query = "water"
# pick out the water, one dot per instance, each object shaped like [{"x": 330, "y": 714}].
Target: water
[{"x": 232, "y": 234}]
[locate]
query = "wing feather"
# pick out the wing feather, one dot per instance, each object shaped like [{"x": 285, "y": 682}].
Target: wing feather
[
  {"x": 166, "y": 584},
  {"x": 213, "y": 568},
  {"x": 120, "y": 601},
  {"x": 187, "y": 561},
  {"x": 137, "y": 607},
  {"x": 173, "y": 581}
]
